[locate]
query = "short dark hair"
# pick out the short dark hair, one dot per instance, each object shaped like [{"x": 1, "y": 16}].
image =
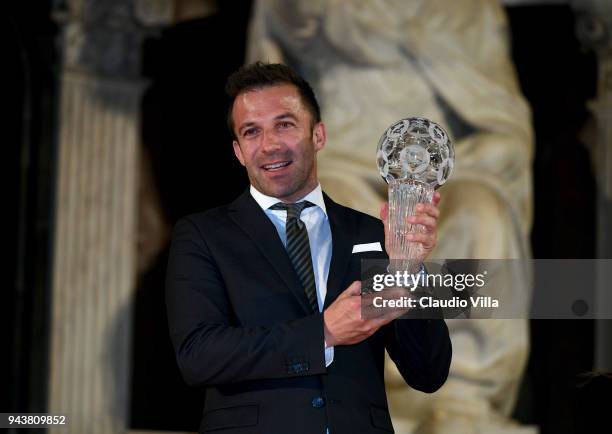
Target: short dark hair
[{"x": 259, "y": 75}]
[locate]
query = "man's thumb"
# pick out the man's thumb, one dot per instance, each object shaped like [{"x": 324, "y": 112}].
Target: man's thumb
[{"x": 353, "y": 289}]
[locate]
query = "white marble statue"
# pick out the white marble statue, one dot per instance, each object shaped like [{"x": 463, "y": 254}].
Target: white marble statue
[{"x": 373, "y": 62}]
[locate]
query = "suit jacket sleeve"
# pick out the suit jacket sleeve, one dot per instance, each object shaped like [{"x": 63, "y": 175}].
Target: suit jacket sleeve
[
  {"x": 421, "y": 349},
  {"x": 211, "y": 346}
]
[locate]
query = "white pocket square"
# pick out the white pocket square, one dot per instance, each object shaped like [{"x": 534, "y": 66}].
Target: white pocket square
[{"x": 368, "y": 247}]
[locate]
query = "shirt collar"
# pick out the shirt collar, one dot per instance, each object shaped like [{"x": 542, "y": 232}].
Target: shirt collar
[{"x": 265, "y": 202}]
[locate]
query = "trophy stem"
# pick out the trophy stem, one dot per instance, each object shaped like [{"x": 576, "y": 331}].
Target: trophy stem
[{"x": 403, "y": 197}]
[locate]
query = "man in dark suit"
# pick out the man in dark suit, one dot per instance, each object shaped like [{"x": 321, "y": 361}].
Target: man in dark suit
[{"x": 263, "y": 294}]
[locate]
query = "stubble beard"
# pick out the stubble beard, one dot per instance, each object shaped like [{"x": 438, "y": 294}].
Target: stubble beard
[
  {"x": 286, "y": 191},
  {"x": 298, "y": 183}
]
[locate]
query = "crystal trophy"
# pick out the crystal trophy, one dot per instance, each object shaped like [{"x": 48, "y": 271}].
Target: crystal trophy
[{"x": 414, "y": 156}]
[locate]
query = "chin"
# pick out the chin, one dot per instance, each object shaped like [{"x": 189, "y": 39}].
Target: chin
[{"x": 281, "y": 192}]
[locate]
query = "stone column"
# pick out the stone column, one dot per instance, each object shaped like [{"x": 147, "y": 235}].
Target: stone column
[
  {"x": 94, "y": 269},
  {"x": 595, "y": 32},
  {"x": 602, "y": 108},
  {"x": 96, "y": 216}
]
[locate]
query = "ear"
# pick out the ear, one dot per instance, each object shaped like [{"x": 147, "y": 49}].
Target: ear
[
  {"x": 319, "y": 136},
  {"x": 238, "y": 152}
]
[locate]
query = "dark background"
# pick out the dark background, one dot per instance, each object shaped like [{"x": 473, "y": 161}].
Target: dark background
[{"x": 183, "y": 130}]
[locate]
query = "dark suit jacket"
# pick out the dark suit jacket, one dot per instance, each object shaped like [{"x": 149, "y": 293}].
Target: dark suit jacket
[{"x": 241, "y": 327}]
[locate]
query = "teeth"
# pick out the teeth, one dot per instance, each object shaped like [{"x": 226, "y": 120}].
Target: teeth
[{"x": 276, "y": 166}]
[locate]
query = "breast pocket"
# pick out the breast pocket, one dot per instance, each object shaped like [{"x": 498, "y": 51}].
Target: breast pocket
[{"x": 230, "y": 417}]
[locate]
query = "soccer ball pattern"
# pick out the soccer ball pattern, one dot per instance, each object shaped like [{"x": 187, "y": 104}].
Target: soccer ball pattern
[{"x": 415, "y": 149}]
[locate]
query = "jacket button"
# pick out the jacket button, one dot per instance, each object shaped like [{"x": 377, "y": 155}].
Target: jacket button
[{"x": 318, "y": 402}]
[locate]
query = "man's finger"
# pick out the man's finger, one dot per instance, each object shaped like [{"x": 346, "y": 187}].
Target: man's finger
[
  {"x": 427, "y": 209},
  {"x": 427, "y": 221},
  {"x": 436, "y": 198},
  {"x": 384, "y": 211},
  {"x": 427, "y": 240}
]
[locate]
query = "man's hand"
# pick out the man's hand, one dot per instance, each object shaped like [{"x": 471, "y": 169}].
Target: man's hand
[
  {"x": 426, "y": 215},
  {"x": 343, "y": 323}
]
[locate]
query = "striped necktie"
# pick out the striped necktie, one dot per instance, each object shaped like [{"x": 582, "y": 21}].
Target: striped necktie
[{"x": 298, "y": 248}]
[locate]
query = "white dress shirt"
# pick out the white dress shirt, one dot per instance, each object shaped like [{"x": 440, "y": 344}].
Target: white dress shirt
[{"x": 319, "y": 236}]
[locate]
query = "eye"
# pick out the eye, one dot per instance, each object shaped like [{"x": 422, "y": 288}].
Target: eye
[
  {"x": 249, "y": 132},
  {"x": 285, "y": 124}
]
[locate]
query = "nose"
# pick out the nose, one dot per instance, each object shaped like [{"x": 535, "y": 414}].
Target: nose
[{"x": 271, "y": 142}]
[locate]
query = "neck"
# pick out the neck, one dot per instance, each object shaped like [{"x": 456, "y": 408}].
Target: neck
[{"x": 302, "y": 192}]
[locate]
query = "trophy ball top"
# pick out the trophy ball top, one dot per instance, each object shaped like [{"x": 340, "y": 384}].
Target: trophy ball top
[{"x": 415, "y": 149}]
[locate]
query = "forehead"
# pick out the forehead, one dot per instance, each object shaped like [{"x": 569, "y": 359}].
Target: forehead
[{"x": 267, "y": 102}]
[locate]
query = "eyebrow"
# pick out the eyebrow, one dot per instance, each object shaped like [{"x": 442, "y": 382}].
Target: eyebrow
[
  {"x": 285, "y": 115},
  {"x": 277, "y": 118}
]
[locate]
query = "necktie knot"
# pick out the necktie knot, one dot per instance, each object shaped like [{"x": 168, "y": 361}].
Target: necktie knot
[{"x": 293, "y": 209}]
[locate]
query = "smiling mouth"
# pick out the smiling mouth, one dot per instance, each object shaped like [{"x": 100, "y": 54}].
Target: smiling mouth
[{"x": 276, "y": 166}]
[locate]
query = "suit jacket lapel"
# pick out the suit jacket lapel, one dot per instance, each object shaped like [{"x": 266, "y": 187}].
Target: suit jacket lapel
[
  {"x": 341, "y": 248},
  {"x": 247, "y": 214}
]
